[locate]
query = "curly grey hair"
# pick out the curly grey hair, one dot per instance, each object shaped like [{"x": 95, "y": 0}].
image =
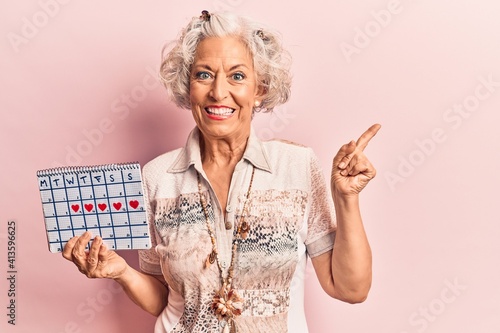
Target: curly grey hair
[{"x": 271, "y": 60}]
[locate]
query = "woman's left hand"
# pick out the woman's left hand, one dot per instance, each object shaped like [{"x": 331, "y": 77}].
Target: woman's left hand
[{"x": 351, "y": 169}]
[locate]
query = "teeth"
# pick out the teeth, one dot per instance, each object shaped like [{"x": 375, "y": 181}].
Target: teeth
[{"x": 220, "y": 111}]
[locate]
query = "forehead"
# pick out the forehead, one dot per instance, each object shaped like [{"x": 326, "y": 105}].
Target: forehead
[{"x": 223, "y": 49}]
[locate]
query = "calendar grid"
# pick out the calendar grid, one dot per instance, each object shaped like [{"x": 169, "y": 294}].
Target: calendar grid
[
  {"x": 107, "y": 200},
  {"x": 111, "y": 217},
  {"x": 69, "y": 210},
  {"x": 126, "y": 200},
  {"x": 57, "y": 222},
  {"x": 94, "y": 200},
  {"x": 79, "y": 197}
]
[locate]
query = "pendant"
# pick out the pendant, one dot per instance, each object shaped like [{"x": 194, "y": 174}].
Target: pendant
[
  {"x": 245, "y": 228},
  {"x": 227, "y": 304},
  {"x": 210, "y": 259}
]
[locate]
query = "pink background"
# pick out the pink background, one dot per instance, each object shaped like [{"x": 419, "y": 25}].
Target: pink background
[{"x": 74, "y": 70}]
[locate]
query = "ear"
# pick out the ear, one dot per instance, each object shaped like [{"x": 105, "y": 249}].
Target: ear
[{"x": 260, "y": 93}]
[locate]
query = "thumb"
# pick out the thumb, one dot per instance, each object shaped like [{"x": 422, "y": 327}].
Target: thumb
[{"x": 344, "y": 155}]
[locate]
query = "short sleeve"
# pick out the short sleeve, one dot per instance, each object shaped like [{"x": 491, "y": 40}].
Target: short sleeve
[
  {"x": 149, "y": 260},
  {"x": 321, "y": 222}
]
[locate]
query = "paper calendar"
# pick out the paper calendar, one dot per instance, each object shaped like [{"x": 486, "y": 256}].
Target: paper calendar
[{"x": 106, "y": 200}]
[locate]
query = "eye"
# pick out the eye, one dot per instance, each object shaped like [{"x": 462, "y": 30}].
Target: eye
[
  {"x": 238, "y": 76},
  {"x": 203, "y": 75}
]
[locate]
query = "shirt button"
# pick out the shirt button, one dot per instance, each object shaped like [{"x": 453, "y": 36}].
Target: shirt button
[
  {"x": 228, "y": 225},
  {"x": 229, "y": 208},
  {"x": 223, "y": 264}
]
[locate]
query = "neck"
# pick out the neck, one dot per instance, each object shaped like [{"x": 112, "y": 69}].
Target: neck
[{"x": 222, "y": 151}]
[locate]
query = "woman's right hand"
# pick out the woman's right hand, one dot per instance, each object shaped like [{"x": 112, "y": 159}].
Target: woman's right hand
[{"x": 98, "y": 262}]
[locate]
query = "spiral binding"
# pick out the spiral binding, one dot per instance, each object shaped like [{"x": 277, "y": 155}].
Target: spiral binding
[{"x": 88, "y": 168}]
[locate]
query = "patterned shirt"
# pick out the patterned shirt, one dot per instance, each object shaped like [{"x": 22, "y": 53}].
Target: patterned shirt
[{"x": 291, "y": 216}]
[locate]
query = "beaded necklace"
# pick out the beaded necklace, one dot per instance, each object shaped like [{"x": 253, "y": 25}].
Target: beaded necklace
[{"x": 226, "y": 303}]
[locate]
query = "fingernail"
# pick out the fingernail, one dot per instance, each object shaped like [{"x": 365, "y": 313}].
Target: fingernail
[
  {"x": 343, "y": 172},
  {"x": 342, "y": 165}
]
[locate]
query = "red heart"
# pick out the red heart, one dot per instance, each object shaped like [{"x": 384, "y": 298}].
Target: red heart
[
  {"x": 75, "y": 208},
  {"x": 102, "y": 206},
  {"x": 134, "y": 204},
  {"x": 117, "y": 205},
  {"x": 88, "y": 207}
]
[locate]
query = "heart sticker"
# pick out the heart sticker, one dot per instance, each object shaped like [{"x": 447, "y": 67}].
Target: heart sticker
[
  {"x": 117, "y": 205},
  {"x": 134, "y": 204},
  {"x": 75, "y": 208},
  {"x": 88, "y": 207},
  {"x": 102, "y": 206}
]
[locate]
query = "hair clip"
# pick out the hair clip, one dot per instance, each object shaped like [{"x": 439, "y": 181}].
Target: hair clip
[
  {"x": 205, "y": 15},
  {"x": 260, "y": 33}
]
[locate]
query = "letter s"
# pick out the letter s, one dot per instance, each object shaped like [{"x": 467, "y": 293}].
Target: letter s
[{"x": 122, "y": 109}]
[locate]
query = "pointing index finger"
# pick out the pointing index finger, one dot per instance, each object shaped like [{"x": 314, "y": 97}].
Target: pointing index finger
[{"x": 367, "y": 136}]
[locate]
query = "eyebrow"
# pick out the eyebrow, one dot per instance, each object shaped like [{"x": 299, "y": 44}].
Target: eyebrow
[{"x": 205, "y": 66}]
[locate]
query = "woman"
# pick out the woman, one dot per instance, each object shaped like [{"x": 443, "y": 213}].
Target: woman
[{"x": 233, "y": 219}]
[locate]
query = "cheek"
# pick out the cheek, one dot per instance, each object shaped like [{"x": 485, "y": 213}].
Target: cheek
[
  {"x": 196, "y": 94},
  {"x": 245, "y": 96}
]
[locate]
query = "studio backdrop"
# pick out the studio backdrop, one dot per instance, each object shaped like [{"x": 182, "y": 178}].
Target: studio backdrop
[{"x": 79, "y": 86}]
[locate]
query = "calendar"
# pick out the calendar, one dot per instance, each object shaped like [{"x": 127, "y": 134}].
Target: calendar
[{"x": 106, "y": 200}]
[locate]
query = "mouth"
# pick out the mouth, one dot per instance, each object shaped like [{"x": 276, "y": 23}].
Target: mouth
[{"x": 219, "y": 112}]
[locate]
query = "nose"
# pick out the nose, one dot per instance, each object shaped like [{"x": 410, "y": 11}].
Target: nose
[{"x": 219, "y": 89}]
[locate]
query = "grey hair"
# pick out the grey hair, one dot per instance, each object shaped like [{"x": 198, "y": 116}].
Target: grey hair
[{"x": 271, "y": 61}]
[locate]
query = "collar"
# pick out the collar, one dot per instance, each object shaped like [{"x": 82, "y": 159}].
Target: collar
[{"x": 255, "y": 153}]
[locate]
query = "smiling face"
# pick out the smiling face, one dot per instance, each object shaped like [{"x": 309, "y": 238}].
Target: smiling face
[{"x": 223, "y": 88}]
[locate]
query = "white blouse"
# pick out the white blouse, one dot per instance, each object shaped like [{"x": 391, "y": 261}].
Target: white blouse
[{"x": 291, "y": 216}]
